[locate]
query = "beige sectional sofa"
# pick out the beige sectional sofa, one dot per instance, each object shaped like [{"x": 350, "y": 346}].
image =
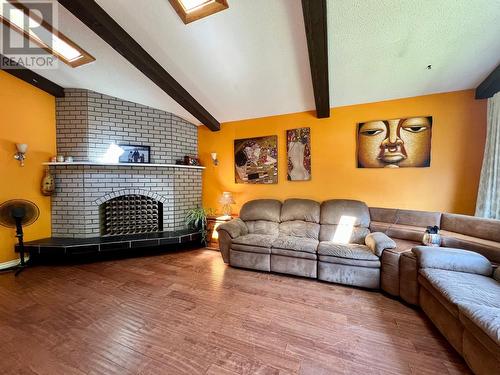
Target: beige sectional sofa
[{"x": 455, "y": 285}]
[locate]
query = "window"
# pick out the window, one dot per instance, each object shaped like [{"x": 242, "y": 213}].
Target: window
[
  {"x": 37, "y": 30},
  {"x": 192, "y": 10}
]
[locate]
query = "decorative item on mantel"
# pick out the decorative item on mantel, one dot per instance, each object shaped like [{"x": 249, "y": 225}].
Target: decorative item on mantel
[
  {"x": 432, "y": 237},
  {"x": 134, "y": 154},
  {"x": 48, "y": 183},
  {"x": 191, "y": 160},
  {"x": 226, "y": 200}
]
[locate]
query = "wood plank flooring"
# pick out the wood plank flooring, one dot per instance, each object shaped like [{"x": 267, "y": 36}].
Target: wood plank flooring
[{"x": 189, "y": 313}]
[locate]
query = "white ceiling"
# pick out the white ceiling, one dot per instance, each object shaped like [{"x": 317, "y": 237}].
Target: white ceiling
[
  {"x": 379, "y": 49},
  {"x": 251, "y": 60}
]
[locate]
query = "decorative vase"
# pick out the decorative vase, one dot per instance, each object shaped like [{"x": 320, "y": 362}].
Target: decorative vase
[
  {"x": 432, "y": 237},
  {"x": 48, "y": 183}
]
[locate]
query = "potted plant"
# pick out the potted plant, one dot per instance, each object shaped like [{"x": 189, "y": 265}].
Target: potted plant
[{"x": 196, "y": 218}]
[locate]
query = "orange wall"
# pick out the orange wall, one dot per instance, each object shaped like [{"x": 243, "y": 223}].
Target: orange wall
[
  {"x": 449, "y": 184},
  {"x": 27, "y": 115}
]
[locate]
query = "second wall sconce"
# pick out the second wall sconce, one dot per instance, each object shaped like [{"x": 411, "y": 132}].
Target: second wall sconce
[
  {"x": 20, "y": 155},
  {"x": 213, "y": 155}
]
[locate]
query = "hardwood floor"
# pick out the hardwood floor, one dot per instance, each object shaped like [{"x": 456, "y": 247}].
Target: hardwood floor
[{"x": 188, "y": 313}]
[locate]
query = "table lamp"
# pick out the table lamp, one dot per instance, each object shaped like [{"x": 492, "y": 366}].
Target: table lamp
[{"x": 226, "y": 200}]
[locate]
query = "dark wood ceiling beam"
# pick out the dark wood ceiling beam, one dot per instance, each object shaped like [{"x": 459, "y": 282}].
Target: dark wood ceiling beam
[
  {"x": 101, "y": 23},
  {"x": 317, "y": 44},
  {"x": 490, "y": 86},
  {"x": 10, "y": 66}
]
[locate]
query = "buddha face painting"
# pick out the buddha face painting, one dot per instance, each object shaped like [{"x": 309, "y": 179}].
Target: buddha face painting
[{"x": 395, "y": 143}]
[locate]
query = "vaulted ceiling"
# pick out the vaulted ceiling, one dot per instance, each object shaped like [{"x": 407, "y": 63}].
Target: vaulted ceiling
[{"x": 252, "y": 61}]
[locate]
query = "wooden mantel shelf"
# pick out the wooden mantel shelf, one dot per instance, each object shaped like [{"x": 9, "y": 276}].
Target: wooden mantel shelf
[{"x": 98, "y": 164}]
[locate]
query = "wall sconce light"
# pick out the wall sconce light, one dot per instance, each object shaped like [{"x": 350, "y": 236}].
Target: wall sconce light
[
  {"x": 20, "y": 155},
  {"x": 213, "y": 155}
]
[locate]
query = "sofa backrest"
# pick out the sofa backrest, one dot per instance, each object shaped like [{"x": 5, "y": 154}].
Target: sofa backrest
[
  {"x": 262, "y": 216},
  {"x": 472, "y": 233},
  {"x": 403, "y": 224},
  {"x": 300, "y": 218},
  {"x": 335, "y": 211}
]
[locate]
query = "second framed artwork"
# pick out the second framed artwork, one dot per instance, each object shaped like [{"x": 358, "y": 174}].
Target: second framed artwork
[
  {"x": 256, "y": 160},
  {"x": 298, "y": 145}
]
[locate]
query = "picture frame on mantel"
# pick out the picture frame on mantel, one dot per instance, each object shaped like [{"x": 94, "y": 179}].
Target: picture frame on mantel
[{"x": 135, "y": 154}]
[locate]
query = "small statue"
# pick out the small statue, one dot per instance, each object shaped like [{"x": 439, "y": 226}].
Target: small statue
[{"x": 48, "y": 183}]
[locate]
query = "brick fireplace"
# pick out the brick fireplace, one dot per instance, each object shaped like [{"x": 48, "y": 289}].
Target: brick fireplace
[{"x": 87, "y": 123}]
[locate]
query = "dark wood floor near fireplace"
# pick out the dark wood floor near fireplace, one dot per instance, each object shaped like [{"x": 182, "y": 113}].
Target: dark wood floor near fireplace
[{"x": 189, "y": 313}]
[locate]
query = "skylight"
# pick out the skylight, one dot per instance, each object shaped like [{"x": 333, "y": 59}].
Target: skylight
[
  {"x": 38, "y": 31},
  {"x": 190, "y": 5},
  {"x": 192, "y": 10}
]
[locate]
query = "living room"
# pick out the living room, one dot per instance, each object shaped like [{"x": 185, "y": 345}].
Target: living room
[{"x": 247, "y": 187}]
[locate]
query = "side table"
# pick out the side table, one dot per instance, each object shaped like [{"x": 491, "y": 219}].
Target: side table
[{"x": 213, "y": 222}]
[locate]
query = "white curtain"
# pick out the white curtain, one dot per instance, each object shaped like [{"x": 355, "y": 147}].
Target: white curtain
[{"x": 488, "y": 199}]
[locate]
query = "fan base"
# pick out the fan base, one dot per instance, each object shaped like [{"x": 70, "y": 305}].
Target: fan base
[{"x": 18, "y": 268}]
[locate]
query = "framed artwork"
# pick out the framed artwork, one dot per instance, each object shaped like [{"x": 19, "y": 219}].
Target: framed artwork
[
  {"x": 256, "y": 160},
  {"x": 397, "y": 143},
  {"x": 134, "y": 154},
  {"x": 298, "y": 145}
]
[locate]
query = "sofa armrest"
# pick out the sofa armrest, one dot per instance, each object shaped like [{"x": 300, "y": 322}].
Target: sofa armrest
[
  {"x": 450, "y": 259},
  {"x": 234, "y": 228},
  {"x": 496, "y": 274},
  {"x": 228, "y": 231},
  {"x": 378, "y": 242}
]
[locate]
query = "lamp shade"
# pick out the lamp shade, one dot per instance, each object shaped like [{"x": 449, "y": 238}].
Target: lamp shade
[
  {"x": 226, "y": 198},
  {"x": 22, "y": 147}
]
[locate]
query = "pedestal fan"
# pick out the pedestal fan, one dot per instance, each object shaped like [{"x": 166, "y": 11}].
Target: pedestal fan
[{"x": 17, "y": 213}]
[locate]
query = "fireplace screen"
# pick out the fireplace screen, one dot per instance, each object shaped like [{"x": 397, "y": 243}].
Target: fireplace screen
[{"x": 131, "y": 214}]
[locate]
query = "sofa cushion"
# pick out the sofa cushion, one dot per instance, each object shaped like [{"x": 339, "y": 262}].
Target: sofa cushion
[
  {"x": 293, "y": 253},
  {"x": 333, "y": 210},
  {"x": 401, "y": 231},
  {"x": 490, "y": 249},
  {"x": 453, "y": 288},
  {"x": 299, "y": 228},
  {"x": 263, "y": 227},
  {"x": 261, "y": 209},
  {"x": 256, "y": 240},
  {"x": 349, "y": 262},
  {"x": 349, "y": 251},
  {"x": 358, "y": 234},
  {"x": 485, "y": 318},
  {"x": 405, "y": 217},
  {"x": 487, "y": 229},
  {"x": 496, "y": 274},
  {"x": 452, "y": 260},
  {"x": 307, "y": 245},
  {"x": 300, "y": 209}
]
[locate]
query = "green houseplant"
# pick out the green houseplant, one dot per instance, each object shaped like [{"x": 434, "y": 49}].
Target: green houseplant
[{"x": 196, "y": 218}]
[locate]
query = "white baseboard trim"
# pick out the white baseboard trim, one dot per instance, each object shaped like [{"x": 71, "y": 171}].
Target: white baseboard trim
[{"x": 12, "y": 263}]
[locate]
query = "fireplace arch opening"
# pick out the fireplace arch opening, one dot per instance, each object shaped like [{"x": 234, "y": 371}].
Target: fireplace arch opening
[{"x": 130, "y": 214}]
